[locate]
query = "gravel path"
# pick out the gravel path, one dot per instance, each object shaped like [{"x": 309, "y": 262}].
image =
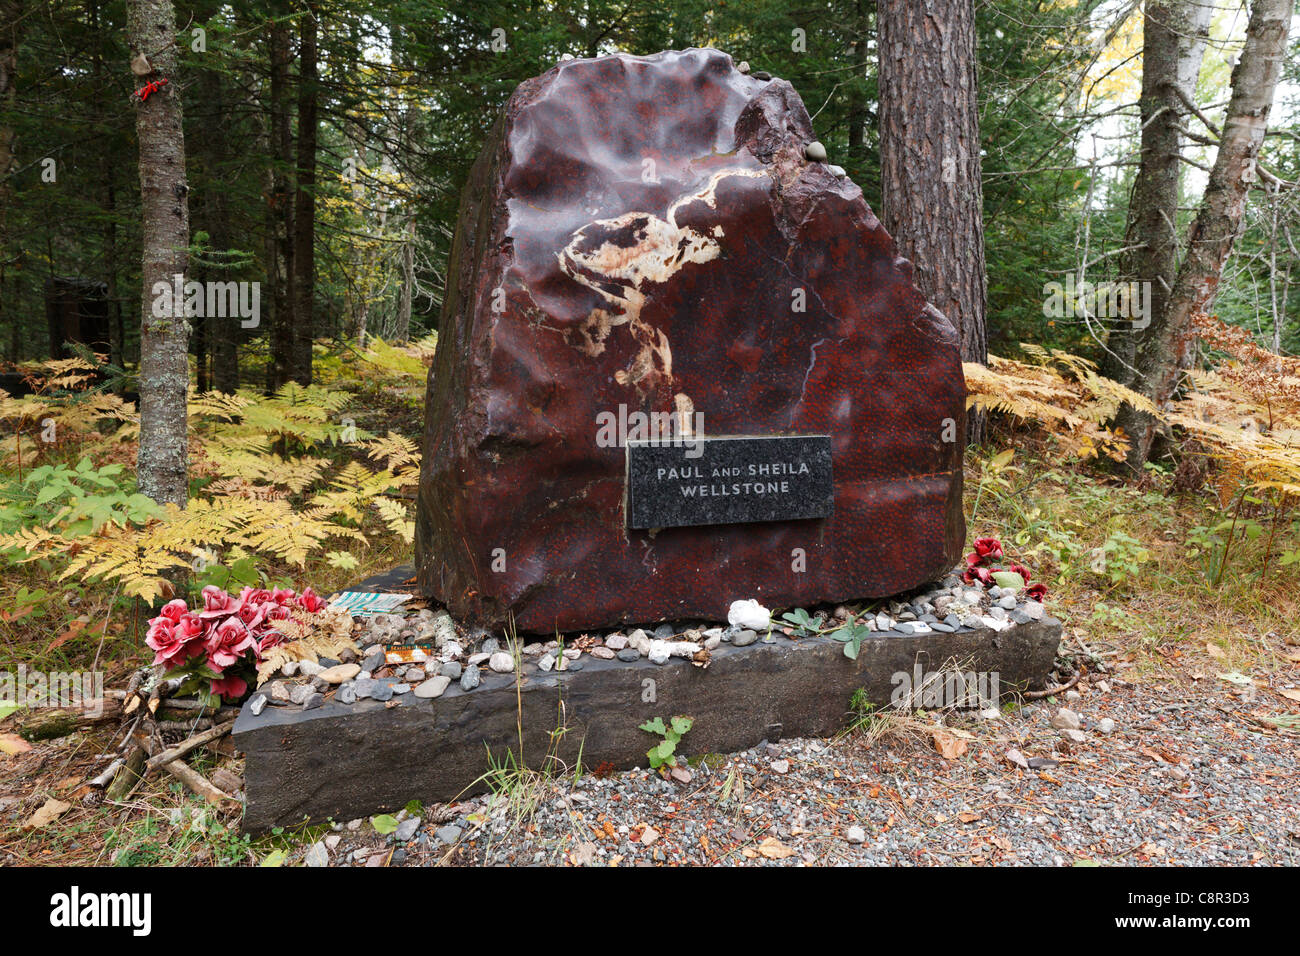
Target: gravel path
[{"x": 1189, "y": 775}]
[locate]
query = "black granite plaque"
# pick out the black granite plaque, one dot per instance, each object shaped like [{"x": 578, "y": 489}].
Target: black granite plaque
[{"x": 728, "y": 480}]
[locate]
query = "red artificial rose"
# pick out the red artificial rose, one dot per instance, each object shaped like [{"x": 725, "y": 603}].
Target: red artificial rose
[
  {"x": 988, "y": 548},
  {"x": 230, "y": 687},
  {"x": 175, "y": 643},
  {"x": 973, "y": 560},
  {"x": 309, "y": 600},
  {"x": 227, "y": 642},
  {"x": 217, "y": 603},
  {"x": 1036, "y": 592},
  {"x": 173, "y": 610},
  {"x": 983, "y": 575}
]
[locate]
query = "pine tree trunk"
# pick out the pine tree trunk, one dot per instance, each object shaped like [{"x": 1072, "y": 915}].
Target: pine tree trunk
[
  {"x": 279, "y": 368},
  {"x": 1173, "y": 42},
  {"x": 10, "y": 20},
  {"x": 164, "y": 368},
  {"x": 304, "y": 214},
  {"x": 1165, "y": 348},
  {"x": 931, "y": 192}
]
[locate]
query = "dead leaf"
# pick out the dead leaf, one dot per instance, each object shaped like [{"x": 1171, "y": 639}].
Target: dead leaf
[
  {"x": 51, "y": 811},
  {"x": 13, "y": 745},
  {"x": 1015, "y": 757},
  {"x": 968, "y": 816},
  {"x": 1290, "y": 694},
  {"x": 1215, "y": 651},
  {"x": 774, "y": 849},
  {"x": 949, "y": 747}
]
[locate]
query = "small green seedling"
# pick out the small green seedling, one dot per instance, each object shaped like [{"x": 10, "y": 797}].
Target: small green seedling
[{"x": 663, "y": 754}]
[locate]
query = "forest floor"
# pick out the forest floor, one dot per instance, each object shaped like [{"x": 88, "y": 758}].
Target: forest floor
[{"x": 1190, "y": 649}]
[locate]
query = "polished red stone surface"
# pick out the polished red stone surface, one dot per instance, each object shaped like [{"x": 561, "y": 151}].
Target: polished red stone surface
[{"x": 634, "y": 235}]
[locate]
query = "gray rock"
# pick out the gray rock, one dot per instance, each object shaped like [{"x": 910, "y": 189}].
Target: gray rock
[
  {"x": 546, "y": 662},
  {"x": 629, "y": 654},
  {"x": 313, "y": 701},
  {"x": 407, "y": 829},
  {"x": 257, "y": 704},
  {"x": 1106, "y": 726},
  {"x": 346, "y": 694},
  {"x": 664, "y": 631},
  {"x": 743, "y": 638},
  {"x": 490, "y": 646},
  {"x": 448, "y": 833},
  {"x": 470, "y": 679},
  {"x": 451, "y": 670},
  {"x": 300, "y": 692},
  {"x": 1007, "y": 602},
  {"x": 616, "y": 642},
  {"x": 318, "y": 855},
  {"x": 479, "y": 658},
  {"x": 399, "y": 689},
  {"x": 1033, "y": 610},
  {"x": 1066, "y": 719},
  {"x": 414, "y": 675},
  {"x": 815, "y": 151},
  {"x": 433, "y": 687}
]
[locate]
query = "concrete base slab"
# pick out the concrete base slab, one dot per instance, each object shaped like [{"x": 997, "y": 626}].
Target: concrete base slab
[{"x": 343, "y": 761}]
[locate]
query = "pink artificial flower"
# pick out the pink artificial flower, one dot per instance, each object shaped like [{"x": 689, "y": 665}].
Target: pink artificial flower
[
  {"x": 254, "y": 595},
  {"x": 230, "y": 687},
  {"x": 282, "y": 596},
  {"x": 217, "y": 603},
  {"x": 988, "y": 548},
  {"x": 227, "y": 642},
  {"x": 173, "y": 610},
  {"x": 309, "y": 600},
  {"x": 175, "y": 643}
]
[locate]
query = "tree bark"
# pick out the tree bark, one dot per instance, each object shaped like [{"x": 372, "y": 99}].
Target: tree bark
[
  {"x": 932, "y": 199},
  {"x": 1173, "y": 42},
  {"x": 162, "y": 460},
  {"x": 304, "y": 214},
  {"x": 1164, "y": 349},
  {"x": 10, "y": 21},
  {"x": 280, "y": 269}
]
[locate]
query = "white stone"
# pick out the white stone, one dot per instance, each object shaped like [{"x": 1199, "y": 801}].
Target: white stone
[
  {"x": 501, "y": 662},
  {"x": 749, "y": 614},
  {"x": 659, "y": 652},
  {"x": 856, "y": 835}
]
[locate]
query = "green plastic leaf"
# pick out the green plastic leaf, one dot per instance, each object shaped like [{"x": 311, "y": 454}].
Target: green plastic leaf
[{"x": 1008, "y": 579}]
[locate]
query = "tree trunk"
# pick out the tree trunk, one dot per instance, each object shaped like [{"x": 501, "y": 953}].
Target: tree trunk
[
  {"x": 10, "y": 20},
  {"x": 858, "y": 112},
  {"x": 931, "y": 194},
  {"x": 164, "y": 367},
  {"x": 212, "y": 215},
  {"x": 304, "y": 214},
  {"x": 1173, "y": 41},
  {"x": 280, "y": 269},
  {"x": 1165, "y": 348},
  {"x": 403, "y": 330}
]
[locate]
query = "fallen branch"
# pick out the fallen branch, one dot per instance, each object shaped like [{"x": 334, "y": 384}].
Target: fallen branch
[
  {"x": 192, "y": 743},
  {"x": 52, "y": 724},
  {"x": 128, "y": 775},
  {"x": 192, "y": 779},
  {"x": 1053, "y": 691}
]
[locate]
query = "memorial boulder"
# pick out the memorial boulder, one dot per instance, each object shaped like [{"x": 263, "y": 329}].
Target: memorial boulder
[{"x": 679, "y": 363}]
